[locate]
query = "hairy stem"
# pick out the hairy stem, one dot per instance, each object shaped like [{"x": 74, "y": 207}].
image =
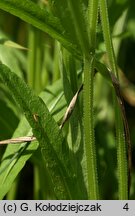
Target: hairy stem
[
  {"x": 120, "y": 137},
  {"x": 89, "y": 129}
]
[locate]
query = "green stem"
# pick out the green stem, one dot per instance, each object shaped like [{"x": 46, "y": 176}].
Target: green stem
[
  {"x": 121, "y": 157},
  {"x": 89, "y": 129},
  {"x": 88, "y": 51},
  {"x": 89, "y": 64},
  {"x": 56, "y": 72},
  {"x": 34, "y": 59},
  {"x": 120, "y": 138},
  {"x": 92, "y": 19}
]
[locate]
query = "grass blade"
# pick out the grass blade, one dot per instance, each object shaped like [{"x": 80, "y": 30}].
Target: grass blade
[{"x": 45, "y": 129}]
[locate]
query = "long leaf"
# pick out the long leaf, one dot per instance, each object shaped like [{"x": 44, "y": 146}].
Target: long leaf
[
  {"x": 16, "y": 156},
  {"x": 44, "y": 128}
]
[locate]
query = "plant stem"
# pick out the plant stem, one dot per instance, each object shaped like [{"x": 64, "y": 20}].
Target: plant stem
[
  {"x": 121, "y": 157},
  {"x": 89, "y": 64},
  {"x": 88, "y": 51},
  {"x": 56, "y": 72},
  {"x": 120, "y": 138},
  {"x": 92, "y": 22},
  {"x": 34, "y": 59},
  {"x": 89, "y": 129}
]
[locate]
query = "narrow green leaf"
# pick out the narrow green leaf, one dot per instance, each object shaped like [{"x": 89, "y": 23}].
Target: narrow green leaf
[
  {"x": 12, "y": 44},
  {"x": 16, "y": 156},
  {"x": 44, "y": 128}
]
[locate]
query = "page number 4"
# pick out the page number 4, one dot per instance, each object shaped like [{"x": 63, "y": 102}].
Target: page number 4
[{"x": 125, "y": 207}]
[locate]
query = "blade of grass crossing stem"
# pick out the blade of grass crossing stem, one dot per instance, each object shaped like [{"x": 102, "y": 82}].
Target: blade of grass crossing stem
[
  {"x": 45, "y": 129},
  {"x": 89, "y": 129},
  {"x": 120, "y": 137}
]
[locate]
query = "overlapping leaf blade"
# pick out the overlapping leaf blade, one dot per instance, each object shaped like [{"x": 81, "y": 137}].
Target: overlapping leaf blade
[
  {"x": 16, "y": 156},
  {"x": 46, "y": 131}
]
